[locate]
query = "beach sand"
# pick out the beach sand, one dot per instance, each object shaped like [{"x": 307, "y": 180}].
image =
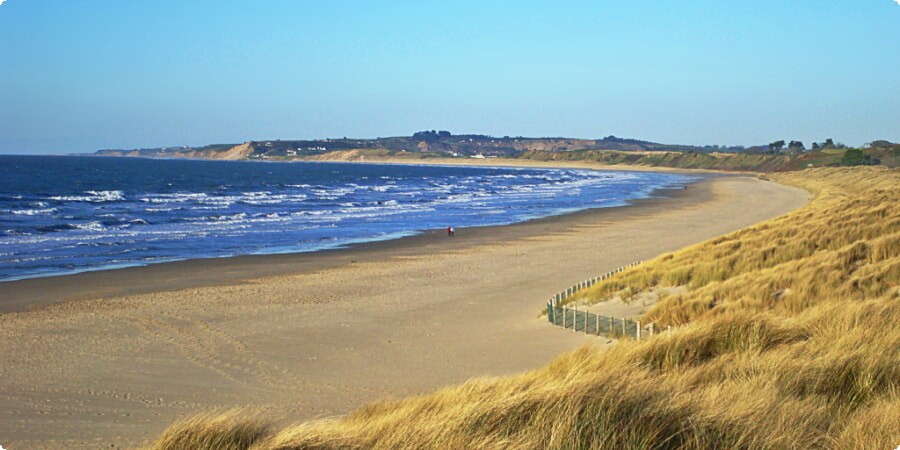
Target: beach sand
[{"x": 313, "y": 335}]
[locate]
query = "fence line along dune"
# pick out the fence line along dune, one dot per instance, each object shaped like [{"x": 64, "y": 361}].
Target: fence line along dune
[{"x": 787, "y": 337}]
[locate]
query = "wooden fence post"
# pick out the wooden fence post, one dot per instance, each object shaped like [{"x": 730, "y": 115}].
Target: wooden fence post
[{"x": 638, "y": 330}]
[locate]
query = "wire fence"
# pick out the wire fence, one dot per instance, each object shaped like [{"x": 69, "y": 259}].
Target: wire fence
[{"x": 590, "y": 323}]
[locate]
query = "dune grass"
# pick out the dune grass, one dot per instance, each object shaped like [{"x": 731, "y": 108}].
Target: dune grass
[
  {"x": 229, "y": 430},
  {"x": 787, "y": 337}
]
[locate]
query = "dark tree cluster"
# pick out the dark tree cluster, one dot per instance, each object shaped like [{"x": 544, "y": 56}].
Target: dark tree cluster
[
  {"x": 827, "y": 145},
  {"x": 882, "y": 144},
  {"x": 793, "y": 146},
  {"x": 430, "y": 136}
]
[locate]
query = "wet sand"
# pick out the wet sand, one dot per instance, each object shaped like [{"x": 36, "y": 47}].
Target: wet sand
[{"x": 109, "y": 359}]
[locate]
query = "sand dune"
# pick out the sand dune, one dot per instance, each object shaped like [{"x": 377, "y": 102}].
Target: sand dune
[{"x": 317, "y": 335}]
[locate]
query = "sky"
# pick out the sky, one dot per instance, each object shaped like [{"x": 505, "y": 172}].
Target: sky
[{"x": 77, "y": 76}]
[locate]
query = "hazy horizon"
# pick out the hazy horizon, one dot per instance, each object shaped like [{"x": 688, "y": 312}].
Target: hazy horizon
[{"x": 79, "y": 78}]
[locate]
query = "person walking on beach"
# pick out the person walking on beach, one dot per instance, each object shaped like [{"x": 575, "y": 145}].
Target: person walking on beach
[
  {"x": 452, "y": 232},
  {"x": 449, "y": 231}
]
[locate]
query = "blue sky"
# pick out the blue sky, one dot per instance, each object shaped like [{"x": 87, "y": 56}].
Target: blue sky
[{"x": 82, "y": 75}]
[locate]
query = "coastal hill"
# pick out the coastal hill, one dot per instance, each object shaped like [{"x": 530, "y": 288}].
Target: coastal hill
[
  {"x": 773, "y": 157},
  {"x": 438, "y": 143}
]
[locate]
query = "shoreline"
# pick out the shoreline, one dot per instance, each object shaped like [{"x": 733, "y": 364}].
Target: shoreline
[
  {"x": 457, "y": 162},
  {"x": 526, "y": 163},
  {"x": 19, "y": 295},
  {"x": 302, "y": 337},
  {"x": 41, "y": 291}
]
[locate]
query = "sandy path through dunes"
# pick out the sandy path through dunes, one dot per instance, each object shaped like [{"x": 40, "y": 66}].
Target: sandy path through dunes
[{"x": 330, "y": 332}]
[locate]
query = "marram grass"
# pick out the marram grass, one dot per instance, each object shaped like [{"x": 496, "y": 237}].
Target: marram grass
[
  {"x": 228, "y": 430},
  {"x": 787, "y": 337}
]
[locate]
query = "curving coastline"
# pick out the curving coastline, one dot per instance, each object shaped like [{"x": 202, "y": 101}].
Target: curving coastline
[{"x": 309, "y": 336}]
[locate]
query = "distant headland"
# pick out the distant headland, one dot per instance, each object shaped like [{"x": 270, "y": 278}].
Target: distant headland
[{"x": 611, "y": 150}]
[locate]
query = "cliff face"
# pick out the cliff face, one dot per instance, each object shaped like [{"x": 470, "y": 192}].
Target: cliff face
[
  {"x": 220, "y": 152},
  {"x": 237, "y": 152},
  {"x": 340, "y": 155}
]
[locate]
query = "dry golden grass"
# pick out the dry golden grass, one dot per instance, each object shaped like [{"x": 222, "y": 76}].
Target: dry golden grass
[
  {"x": 787, "y": 338},
  {"x": 230, "y": 430}
]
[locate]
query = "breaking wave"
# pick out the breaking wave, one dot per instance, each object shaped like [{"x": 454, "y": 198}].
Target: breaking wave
[{"x": 145, "y": 211}]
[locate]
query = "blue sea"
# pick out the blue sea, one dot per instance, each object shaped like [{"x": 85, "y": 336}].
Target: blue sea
[{"x": 61, "y": 214}]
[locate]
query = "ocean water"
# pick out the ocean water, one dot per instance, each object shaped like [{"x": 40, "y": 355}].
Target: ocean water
[{"x": 61, "y": 215}]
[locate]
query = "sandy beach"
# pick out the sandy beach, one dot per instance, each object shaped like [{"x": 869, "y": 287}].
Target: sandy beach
[
  {"x": 109, "y": 359},
  {"x": 354, "y": 157}
]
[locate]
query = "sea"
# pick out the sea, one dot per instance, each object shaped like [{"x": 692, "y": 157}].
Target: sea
[{"x": 67, "y": 214}]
